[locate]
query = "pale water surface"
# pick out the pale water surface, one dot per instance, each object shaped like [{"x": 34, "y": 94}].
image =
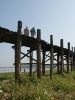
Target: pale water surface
[{"x": 26, "y": 67}]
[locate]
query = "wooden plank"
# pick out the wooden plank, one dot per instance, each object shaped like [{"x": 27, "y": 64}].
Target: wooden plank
[{"x": 36, "y": 63}]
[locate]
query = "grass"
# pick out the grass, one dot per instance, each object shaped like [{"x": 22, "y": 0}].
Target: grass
[{"x": 61, "y": 87}]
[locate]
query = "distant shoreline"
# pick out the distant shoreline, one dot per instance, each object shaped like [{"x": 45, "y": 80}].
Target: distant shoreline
[{"x": 7, "y": 67}]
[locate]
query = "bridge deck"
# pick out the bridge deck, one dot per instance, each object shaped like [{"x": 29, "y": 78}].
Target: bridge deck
[{"x": 10, "y": 37}]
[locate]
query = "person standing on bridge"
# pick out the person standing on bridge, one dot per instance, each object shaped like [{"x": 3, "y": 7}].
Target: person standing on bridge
[
  {"x": 26, "y": 31},
  {"x": 33, "y": 32}
]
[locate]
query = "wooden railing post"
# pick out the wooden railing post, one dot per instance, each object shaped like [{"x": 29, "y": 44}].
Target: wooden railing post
[
  {"x": 38, "y": 53},
  {"x": 18, "y": 52}
]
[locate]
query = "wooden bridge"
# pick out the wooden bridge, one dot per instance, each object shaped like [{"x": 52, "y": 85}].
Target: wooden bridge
[{"x": 18, "y": 39}]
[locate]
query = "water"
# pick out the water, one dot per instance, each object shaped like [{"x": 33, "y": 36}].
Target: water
[
  {"x": 26, "y": 67},
  {"x": 7, "y": 69}
]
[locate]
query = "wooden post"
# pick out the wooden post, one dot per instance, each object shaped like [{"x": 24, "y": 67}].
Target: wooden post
[
  {"x": 43, "y": 63},
  {"x": 31, "y": 55},
  {"x": 24, "y": 70},
  {"x": 68, "y": 56},
  {"x": 51, "y": 54},
  {"x": 72, "y": 60},
  {"x": 38, "y": 53},
  {"x": 57, "y": 62},
  {"x": 18, "y": 52},
  {"x": 61, "y": 67}
]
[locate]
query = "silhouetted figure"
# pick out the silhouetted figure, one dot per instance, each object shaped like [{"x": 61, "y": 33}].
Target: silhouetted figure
[
  {"x": 26, "y": 31},
  {"x": 33, "y": 32}
]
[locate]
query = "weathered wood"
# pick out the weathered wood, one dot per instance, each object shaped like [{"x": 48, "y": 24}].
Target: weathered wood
[
  {"x": 31, "y": 55},
  {"x": 18, "y": 52},
  {"x": 72, "y": 60},
  {"x": 27, "y": 63},
  {"x": 27, "y": 56},
  {"x": 61, "y": 45},
  {"x": 64, "y": 55},
  {"x": 22, "y": 53},
  {"x": 34, "y": 72},
  {"x": 27, "y": 53},
  {"x": 43, "y": 63},
  {"x": 34, "y": 49},
  {"x": 65, "y": 58},
  {"x": 63, "y": 65},
  {"x": 38, "y": 53},
  {"x": 58, "y": 70},
  {"x": 54, "y": 59},
  {"x": 68, "y": 56},
  {"x": 36, "y": 63},
  {"x": 24, "y": 70},
  {"x": 47, "y": 55},
  {"x": 51, "y": 54},
  {"x": 55, "y": 55},
  {"x": 50, "y": 58}
]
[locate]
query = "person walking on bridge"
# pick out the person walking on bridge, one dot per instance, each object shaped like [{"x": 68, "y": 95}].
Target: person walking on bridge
[
  {"x": 26, "y": 31},
  {"x": 33, "y": 32}
]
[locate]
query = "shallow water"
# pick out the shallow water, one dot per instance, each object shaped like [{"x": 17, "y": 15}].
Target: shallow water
[{"x": 12, "y": 69}]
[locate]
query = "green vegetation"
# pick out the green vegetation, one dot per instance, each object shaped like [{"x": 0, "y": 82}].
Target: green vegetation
[{"x": 61, "y": 87}]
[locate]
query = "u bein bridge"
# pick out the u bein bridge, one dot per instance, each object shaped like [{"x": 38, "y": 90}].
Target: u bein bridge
[{"x": 56, "y": 52}]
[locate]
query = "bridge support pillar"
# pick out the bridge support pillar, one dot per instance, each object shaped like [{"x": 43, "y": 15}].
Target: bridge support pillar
[
  {"x": 68, "y": 56},
  {"x": 72, "y": 60},
  {"x": 58, "y": 70},
  {"x": 51, "y": 56},
  {"x": 61, "y": 67},
  {"x": 31, "y": 56},
  {"x": 18, "y": 52},
  {"x": 38, "y": 53},
  {"x": 43, "y": 63}
]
